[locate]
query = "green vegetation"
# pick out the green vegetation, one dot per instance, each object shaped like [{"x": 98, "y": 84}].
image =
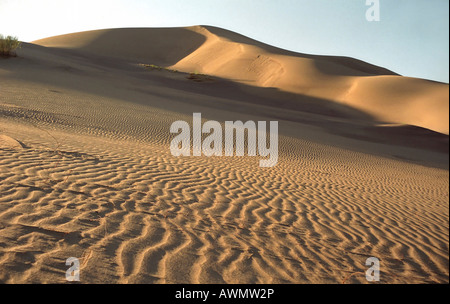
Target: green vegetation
[
  {"x": 8, "y": 45},
  {"x": 152, "y": 67},
  {"x": 194, "y": 76},
  {"x": 199, "y": 77}
]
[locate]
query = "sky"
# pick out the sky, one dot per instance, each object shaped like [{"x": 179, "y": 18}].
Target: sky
[{"x": 411, "y": 37}]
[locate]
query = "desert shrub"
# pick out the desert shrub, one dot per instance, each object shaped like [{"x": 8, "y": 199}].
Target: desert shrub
[
  {"x": 8, "y": 45},
  {"x": 153, "y": 67},
  {"x": 197, "y": 77}
]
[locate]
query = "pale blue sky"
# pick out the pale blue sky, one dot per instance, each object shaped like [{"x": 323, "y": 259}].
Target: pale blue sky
[{"x": 412, "y": 37}]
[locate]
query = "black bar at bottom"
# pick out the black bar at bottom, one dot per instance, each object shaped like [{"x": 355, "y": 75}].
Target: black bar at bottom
[{"x": 233, "y": 293}]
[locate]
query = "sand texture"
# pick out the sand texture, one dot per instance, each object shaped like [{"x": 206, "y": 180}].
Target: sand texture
[{"x": 86, "y": 170}]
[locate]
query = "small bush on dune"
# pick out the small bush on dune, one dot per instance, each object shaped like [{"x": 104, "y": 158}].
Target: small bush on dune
[
  {"x": 197, "y": 77},
  {"x": 8, "y": 45}
]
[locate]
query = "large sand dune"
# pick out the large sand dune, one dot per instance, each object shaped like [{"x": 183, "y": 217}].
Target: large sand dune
[
  {"x": 213, "y": 51},
  {"x": 86, "y": 169}
]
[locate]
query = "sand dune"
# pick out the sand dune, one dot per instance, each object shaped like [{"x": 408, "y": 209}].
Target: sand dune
[
  {"x": 86, "y": 170},
  {"x": 221, "y": 53}
]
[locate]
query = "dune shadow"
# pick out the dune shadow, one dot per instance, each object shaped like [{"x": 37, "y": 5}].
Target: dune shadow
[
  {"x": 352, "y": 67},
  {"x": 140, "y": 44}
]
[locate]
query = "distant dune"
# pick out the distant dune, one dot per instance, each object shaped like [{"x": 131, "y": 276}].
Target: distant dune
[
  {"x": 86, "y": 169},
  {"x": 214, "y": 51}
]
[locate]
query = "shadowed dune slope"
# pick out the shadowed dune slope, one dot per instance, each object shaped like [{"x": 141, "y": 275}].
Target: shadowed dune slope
[
  {"x": 378, "y": 92},
  {"x": 160, "y": 46}
]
